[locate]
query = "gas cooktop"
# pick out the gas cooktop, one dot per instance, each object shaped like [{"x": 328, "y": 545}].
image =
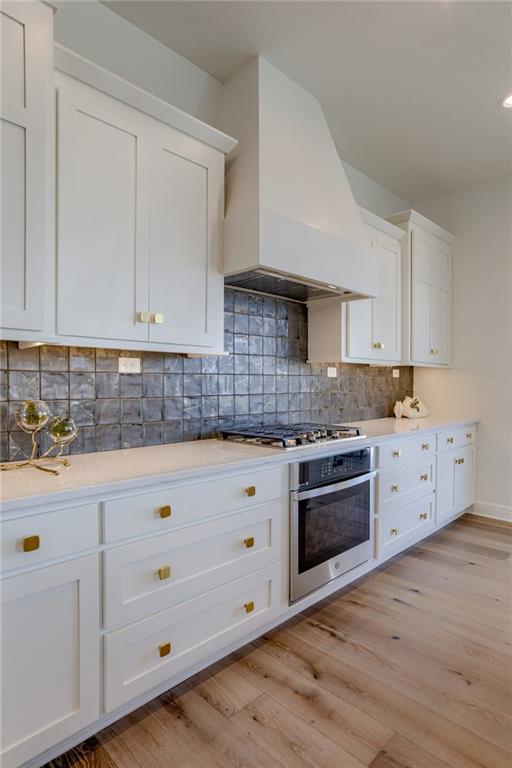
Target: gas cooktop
[{"x": 292, "y": 435}]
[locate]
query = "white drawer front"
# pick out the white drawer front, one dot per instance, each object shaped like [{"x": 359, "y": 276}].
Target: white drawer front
[
  {"x": 456, "y": 438},
  {"x": 402, "y": 484},
  {"x": 396, "y": 452},
  {"x": 136, "y": 515},
  {"x": 186, "y": 634},
  {"x": 402, "y": 527},
  {"x": 27, "y": 541},
  {"x": 156, "y": 573}
]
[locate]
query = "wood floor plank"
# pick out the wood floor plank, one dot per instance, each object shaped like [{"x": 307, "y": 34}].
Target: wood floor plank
[{"x": 407, "y": 668}]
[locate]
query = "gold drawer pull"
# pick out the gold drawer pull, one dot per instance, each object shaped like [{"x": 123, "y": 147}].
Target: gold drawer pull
[
  {"x": 378, "y": 345},
  {"x": 423, "y": 477},
  {"x": 249, "y": 607},
  {"x": 164, "y": 649},
  {"x": 395, "y": 488},
  {"x": 164, "y": 572},
  {"x": 143, "y": 317},
  {"x": 250, "y": 491},
  {"x": 434, "y": 351},
  {"x": 449, "y": 439},
  {"x": 31, "y": 543},
  {"x": 165, "y": 511},
  {"x": 249, "y": 542},
  {"x": 469, "y": 435},
  {"x": 425, "y": 446},
  {"x": 158, "y": 318},
  {"x": 397, "y": 454},
  {"x": 395, "y": 531},
  {"x": 459, "y": 461},
  {"x": 423, "y": 516}
]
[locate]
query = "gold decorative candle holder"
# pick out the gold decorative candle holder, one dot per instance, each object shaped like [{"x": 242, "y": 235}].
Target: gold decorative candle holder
[{"x": 33, "y": 417}]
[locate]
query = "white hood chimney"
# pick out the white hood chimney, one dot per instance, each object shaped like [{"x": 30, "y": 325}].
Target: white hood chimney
[{"x": 290, "y": 212}]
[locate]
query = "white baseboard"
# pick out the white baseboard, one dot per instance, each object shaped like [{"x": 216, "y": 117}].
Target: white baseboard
[{"x": 497, "y": 511}]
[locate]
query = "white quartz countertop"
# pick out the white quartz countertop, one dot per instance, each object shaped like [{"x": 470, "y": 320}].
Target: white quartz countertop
[{"x": 109, "y": 471}]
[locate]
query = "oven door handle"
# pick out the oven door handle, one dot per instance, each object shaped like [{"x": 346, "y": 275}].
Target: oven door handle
[{"x": 325, "y": 489}]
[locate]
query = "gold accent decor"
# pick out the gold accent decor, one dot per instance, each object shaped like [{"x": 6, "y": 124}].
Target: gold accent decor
[
  {"x": 31, "y": 543},
  {"x": 395, "y": 531},
  {"x": 249, "y": 542},
  {"x": 423, "y": 516},
  {"x": 395, "y": 488},
  {"x": 164, "y": 649},
  {"x": 425, "y": 446},
  {"x": 249, "y": 607},
  {"x": 164, "y": 572},
  {"x": 250, "y": 491},
  {"x": 165, "y": 511}
]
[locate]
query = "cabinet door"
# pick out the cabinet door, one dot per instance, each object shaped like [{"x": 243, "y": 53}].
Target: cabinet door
[
  {"x": 102, "y": 269},
  {"x": 445, "y": 492},
  {"x": 49, "y": 657},
  {"x": 374, "y": 325},
  {"x": 186, "y": 200},
  {"x": 464, "y": 478},
  {"x": 26, "y": 31},
  {"x": 440, "y": 311},
  {"x": 421, "y": 300}
]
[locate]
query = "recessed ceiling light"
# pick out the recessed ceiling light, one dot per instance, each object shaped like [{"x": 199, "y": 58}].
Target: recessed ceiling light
[{"x": 507, "y": 102}]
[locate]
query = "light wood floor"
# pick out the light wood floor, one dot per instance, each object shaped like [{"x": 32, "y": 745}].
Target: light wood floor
[{"x": 409, "y": 668}]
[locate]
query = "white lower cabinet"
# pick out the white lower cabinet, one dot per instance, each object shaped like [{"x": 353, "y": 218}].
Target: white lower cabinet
[
  {"x": 404, "y": 526},
  {"x": 455, "y": 482},
  {"x": 143, "y": 655},
  {"x": 49, "y": 656}
]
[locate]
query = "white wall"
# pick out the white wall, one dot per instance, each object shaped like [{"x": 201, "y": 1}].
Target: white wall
[
  {"x": 480, "y": 382},
  {"x": 372, "y": 195},
  {"x": 100, "y": 35}
]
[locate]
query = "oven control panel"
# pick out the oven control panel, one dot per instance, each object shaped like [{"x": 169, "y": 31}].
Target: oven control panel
[{"x": 331, "y": 469}]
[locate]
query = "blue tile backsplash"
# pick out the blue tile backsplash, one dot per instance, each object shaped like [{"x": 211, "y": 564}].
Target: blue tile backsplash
[{"x": 263, "y": 379}]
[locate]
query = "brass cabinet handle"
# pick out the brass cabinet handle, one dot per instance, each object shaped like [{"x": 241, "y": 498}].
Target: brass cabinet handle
[
  {"x": 395, "y": 488},
  {"x": 157, "y": 318},
  {"x": 397, "y": 454},
  {"x": 423, "y": 477},
  {"x": 31, "y": 543},
  {"x": 250, "y": 491},
  {"x": 143, "y": 317},
  {"x": 164, "y": 649},
  {"x": 164, "y": 572},
  {"x": 395, "y": 531},
  {"x": 434, "y": 351},
  {"x": 165, "y": 511},
  {"x": 425, "y": 446},
  {"x": 469, "y": 435},
  {"x": 423, "y": 516},
  {"x": 249, "y": 542},
  {"x": 249, "y": 607},
  {"x": 449, "y": 439},
  {"x": 459, "y": 461},
  {"x": 378, "y": 345}
]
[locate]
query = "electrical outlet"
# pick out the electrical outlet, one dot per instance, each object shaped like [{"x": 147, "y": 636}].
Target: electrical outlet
[
  {"x": 332, "y": 372},
  {"x": 396, "y": 373},
  {"x": 129, "y": 365}
]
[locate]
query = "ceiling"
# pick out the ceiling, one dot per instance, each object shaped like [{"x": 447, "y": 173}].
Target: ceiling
[{"x": 410, "y": 89}]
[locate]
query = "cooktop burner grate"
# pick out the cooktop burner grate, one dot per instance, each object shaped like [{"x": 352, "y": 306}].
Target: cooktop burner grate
[{"x": 292, "y": 435}]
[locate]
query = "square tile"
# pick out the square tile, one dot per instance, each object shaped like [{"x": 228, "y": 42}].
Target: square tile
[
  {"x": 173, "y": 431},
  {"x": 131, "y": 410},
  {"x": 82, "y": 359},
  {"x": 23, "y": 385},
  {"x": 210, "y": 364},
  {"x": 152, "y": 433},
  {"x": 255, "y": 325},
  {"x": 229, "y": 300},
  {"x": 192, "y": 365},
  {"x": 191, "y": 407},
  {"x": 192, "y": 429},
  {"x": 54, "y": 385},
  {"x": 85, "y": 441},
  {"x": 241, "y": 384},
  {"x": 226, "y": 364},
  {"x": 241, "y": 405},
  {"x": 108, "y": 437},
  {"x": 3, "y": 385},
  {"x": 255, "y": 364},
  {"x": 83, "y": 412},
  {"x": 173, "y": 408},
  {"x": 130, "y": 385},
  {"x": 241, "y": 302},
  {"x": 229, "y": 322},
  {"x": 241, "y": 324},
  {"x": 152, "y": 409},
  {"x": 209, "y": 407},
  {"x": 192, "y": 384},
  {"x": 255, "y": 304},
  {"x": 241, "y": 364},
  {"x": 152, "y": 385},
  {"x": 255, "y": 384},
  {"x": 54, "y": 358},
  {"x": 108, "y": 384},
  {"x": 173, "y": 384},
  {"x": 22, "y": 359},
  {"x": 107, "y": 360},
  {"x": 131, "y": 435},
  {"x": 255, "y": 345},
  {"x": 241, "y": 346},
  {"x": 210, "y": 384},
  {"x": 108, "y": 411},
  {"x": 3, "y": 355},
  {"x": 226, "y": 405},
  {"x": 173, "y": 364},
  {"x": 152, "y": 362},
  {"x": 226, "y": 384}
]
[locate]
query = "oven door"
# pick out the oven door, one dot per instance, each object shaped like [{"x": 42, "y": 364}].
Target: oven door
[{"x": 331, "y": 532}]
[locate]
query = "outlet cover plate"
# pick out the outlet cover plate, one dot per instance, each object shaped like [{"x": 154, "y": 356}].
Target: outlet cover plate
[
  {"x": 396, "y": 373},
  {"x": 129, "y": 365}
]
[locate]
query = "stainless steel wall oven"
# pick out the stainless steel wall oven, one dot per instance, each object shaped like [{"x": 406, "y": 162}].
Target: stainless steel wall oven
[{"x": 331, "y": 518}]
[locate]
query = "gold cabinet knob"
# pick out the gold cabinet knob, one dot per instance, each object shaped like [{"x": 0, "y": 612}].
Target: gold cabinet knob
[
  {"x": 164, "y": 649},
  {"x": 31, "y": 543},
  {"x": 378, "y": 345},
  {"x": 395, "y": 488},
  {"x": 395, "y": 531},
  {"x": 249, "y": 542},
  {"x": 143, "y": 317},
  {"x": 250, "y": 491},
  {"x": 157, "y": 318},
  {"x": 423, "y": 477},
  {"x": 423, "y": 516},
  {"x": 164, "y": 572},
  {"x": 449, "y": 439},
  {"x": 397, "y": 454},
  {"x": 249, "y": 607},
  {"x": 425, "y": 446},
  {"x": 469, "y": 435},
  {"x": 165, "y": 511}
]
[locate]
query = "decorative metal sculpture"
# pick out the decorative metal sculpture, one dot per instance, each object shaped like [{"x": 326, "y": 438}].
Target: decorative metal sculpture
[{"x": 33, "y": 417}]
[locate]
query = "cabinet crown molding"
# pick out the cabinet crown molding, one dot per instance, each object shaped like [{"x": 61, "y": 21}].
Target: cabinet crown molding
[
  {"x": 413, "y": 217},
  {"x": 382, "y": 224}
]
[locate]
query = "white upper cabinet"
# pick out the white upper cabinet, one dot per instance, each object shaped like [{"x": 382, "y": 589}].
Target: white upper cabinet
[
  {"x": 140, "y": 206},
  {"x": 26, "y": 30},
  {"x": 366, "y": 330},
  {"x": 427, "y": 267}
]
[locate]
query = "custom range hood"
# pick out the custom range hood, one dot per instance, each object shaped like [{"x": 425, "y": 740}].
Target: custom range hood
[{"x": 292, "y": 227}]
